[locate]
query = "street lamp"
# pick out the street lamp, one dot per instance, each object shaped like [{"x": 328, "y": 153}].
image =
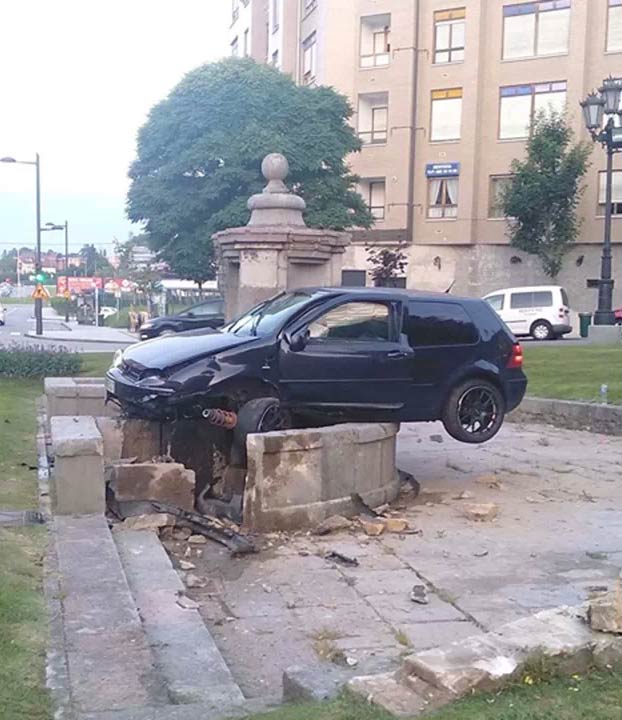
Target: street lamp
[
  {"x": 37, "y": 164},
  {"x": 65, "y": 226},
  {"x": 597, "y": 107}
]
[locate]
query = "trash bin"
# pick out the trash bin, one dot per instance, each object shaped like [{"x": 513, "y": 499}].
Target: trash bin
[{"x": 585, "y": 320}]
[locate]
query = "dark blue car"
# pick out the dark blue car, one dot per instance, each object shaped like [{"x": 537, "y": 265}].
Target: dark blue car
[{"x": 326, "y": 355}]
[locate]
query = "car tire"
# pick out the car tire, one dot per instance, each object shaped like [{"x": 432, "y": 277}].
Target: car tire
[
  {"x": 541, "y": 330},
  {"x": 474, "y": 411},
  {"x": 257, "y": 416},
  {"x": 166, "y": 332}
]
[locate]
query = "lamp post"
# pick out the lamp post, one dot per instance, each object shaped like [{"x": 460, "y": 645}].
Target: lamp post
[
  {"x": 600, "y": 107},
  {"x": 37, "y": 165},
  {"x": 65, "y": 226}
]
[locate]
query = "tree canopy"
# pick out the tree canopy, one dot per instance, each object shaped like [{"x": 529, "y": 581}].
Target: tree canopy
[
  {"x": 541, "y": 200},
  {"x": 200, "y": 151}
]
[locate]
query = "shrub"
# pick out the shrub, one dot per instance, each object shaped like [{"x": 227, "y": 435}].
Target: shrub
[{"x": 38, "y": 361}]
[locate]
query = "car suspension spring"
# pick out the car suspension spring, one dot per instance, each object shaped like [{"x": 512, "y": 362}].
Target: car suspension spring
[{"x": 220, "y": 418}]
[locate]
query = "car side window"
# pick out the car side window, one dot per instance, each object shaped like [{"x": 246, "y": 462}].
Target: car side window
[
  {"x": 496, "y": 302},
  {"x": 543, "y": 299},
  {"x": 521, "y": 301},
  {"x": 352, "y": 322},
  {"x": 430, "y": 324},
  {"x": 207, "y": 309}
]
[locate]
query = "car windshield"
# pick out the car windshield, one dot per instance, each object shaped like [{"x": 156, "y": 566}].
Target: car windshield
[{"x": 266, "y": 318}]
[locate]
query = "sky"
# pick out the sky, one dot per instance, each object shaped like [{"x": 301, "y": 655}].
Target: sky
[{"x": 77, "y": 80}]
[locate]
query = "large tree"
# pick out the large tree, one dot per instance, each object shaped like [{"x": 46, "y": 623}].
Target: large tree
[
  {"x": 541, "y": 200},
  {"x": 200, "y": 152}
]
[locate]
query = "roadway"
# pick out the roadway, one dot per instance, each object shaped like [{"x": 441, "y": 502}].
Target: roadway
[{"x": 20, "y": 320}]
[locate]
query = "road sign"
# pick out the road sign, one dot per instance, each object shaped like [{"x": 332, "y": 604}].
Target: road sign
[{"x": 40, "y": 293}]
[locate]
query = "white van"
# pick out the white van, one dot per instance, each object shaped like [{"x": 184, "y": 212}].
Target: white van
[{"x": 542, "y": 311}]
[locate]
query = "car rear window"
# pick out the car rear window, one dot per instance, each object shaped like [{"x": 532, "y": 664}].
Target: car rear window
[
  {"x": 565, "y": 299},
  {"x": 540, "y": 298},
  {"x": 430, "y": 324}
]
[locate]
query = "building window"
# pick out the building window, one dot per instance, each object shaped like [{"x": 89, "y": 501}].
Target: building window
[
  {"x": 373, "y": 191},
  {"x": 449, "y": 31},
  {"x": 521, "y": 103},
  {"x": 614, "y": 26},
  {"x": 375, "y": 40},
  {"x": 616, "y": 193},
  {"x": 309, "y": 59},
  {"x": 275, "y": 59},
  {"x": 235, "y": 10},
  {"x": 276, "y": 13},
  {"x": 498, "y": 185},
  {"x": 536, "y": 29},
  {"x": 373, "y": 118},
  {"x": 246, "y": 43},
  {"x": 235, "y": 50},
  {"x": 443, "y": 197},
  {"x": 353, "y": 278},
  {"x": 446, "y": 114}
]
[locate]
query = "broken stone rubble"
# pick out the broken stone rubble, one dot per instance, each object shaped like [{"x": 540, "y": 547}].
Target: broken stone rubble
[
  {"x": 605, "y": 610},
  {"x": 166, "y": 482}
]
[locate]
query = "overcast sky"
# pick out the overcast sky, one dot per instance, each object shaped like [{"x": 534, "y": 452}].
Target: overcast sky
[{"x": 77, "y": 79}]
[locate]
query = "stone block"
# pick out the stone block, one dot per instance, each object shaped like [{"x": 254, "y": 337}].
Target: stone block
[
  {"x": 141, "y": 439},
  {"x": 78, "y": 486},
  {"x": 388, "y": 692},
  {"x": 111, "y": 430},
  {"x": 605, "y": 335},
  {"x": 605, "y": 611},
  {"x": 167, "y": 482},
  {"x": 77, "y": 396},
  {"x": 314, "y": 684},
  {"x": 298, "y": 478}
]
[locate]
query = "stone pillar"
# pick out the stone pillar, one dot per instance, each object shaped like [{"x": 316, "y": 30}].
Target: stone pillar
[{"x": 276, "y": 250}]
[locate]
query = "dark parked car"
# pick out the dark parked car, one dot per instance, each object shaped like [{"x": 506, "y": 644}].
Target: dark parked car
[
  {"x": 326, "y": 355},
  {"x": 207, "y": 314}
]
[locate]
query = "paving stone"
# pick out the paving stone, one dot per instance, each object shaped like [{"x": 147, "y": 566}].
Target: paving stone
[
  {"x": 424, "y": 635},
  {"x": 401, "y": 609},
  {"x": 387, "y": 692},
  {"x": 375, "y": 582},
  {"x": 314, "y": 684}
]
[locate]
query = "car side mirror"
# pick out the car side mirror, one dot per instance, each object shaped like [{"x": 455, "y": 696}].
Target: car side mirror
[{"x": 297, "y": 341}]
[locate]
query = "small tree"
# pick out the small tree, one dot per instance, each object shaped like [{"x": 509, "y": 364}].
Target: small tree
[
  {"x": 541, "y": 201},
  {"x": 387, "y": 264}
]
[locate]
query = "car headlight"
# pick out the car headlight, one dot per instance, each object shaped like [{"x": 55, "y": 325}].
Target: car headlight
[{"x": 117, "y": 359}]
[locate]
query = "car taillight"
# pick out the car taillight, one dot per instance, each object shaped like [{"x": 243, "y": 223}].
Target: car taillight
[{"x": 516, "y": 357}]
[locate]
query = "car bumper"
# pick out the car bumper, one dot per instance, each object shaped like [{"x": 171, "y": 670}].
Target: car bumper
[
  {"x": 149, "y": 401},
  {"x": 515, "y": 392},
  {"x": 148, "y": 334},
  {"x": 562, "y": 329}
]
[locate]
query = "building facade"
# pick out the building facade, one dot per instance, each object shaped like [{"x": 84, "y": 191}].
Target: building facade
[{"x": 443, "y": 95}]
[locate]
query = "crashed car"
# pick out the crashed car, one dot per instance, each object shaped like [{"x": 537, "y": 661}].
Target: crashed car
[{"x": 329, "y": 355}]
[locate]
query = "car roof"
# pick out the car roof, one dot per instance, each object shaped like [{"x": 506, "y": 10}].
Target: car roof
[
  {"x": 388, "y": 293},
  {"x": 525, "y": 288}
]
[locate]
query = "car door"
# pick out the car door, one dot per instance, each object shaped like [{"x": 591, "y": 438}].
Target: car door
[
  {"x": 520, "y": 312},
  {"x": 444, "y": 339},
  {"x": 353, "y": 357}
]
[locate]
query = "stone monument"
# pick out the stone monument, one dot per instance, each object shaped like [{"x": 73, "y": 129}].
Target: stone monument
[{"x": 276, "y": 250}]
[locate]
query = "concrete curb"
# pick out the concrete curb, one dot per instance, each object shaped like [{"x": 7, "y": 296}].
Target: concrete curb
[
  {"x": 102, "y": 341},
  {"x": 573, "y": 415}
]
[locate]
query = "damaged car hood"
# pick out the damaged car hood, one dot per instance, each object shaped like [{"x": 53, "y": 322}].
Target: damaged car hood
[{"x": 165, "y": 352}]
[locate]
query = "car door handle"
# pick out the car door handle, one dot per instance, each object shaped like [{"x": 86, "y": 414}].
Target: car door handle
[{"x": 398, "y": 354}]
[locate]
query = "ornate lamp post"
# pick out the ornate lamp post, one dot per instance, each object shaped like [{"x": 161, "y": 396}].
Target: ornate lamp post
[{"x": 598, "y": 108}]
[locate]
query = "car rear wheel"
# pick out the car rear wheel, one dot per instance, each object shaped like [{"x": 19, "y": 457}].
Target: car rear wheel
[
  {"x": 541, "y": 330},
  {"x": 261, "y": 415},
  {"x": 165, "y": 332},
  {"x": 474, "y": 411}
]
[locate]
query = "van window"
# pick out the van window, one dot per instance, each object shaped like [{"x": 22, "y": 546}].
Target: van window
[
  {"x": 496, "y": 302},
  {"x": 432, "y": 323},
  {"x": 543, "y": 299}
]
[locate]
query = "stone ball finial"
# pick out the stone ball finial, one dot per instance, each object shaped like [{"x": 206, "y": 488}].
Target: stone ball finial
[{"x": 275, "y": 167}]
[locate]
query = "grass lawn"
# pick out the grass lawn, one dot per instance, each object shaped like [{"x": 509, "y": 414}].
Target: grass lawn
[
  {"x": 22, "y": 613},
  {"x": 574, "y": 372},
  {"x": 596, "y": 697}
]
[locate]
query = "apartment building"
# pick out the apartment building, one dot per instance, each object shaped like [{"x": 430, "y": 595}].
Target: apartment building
[{"x": 444, "y": 93}]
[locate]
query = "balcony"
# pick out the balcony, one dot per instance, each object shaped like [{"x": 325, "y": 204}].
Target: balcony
[
  {"x": 373, "y": 117},
  {"x": 375, "y": 41}
]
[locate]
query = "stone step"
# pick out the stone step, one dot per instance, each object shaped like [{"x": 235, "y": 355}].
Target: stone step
[
  {"x": 108, "y": 658},
  {"x": 387, "y": 691},
  {"x": 188, "y": 657}
]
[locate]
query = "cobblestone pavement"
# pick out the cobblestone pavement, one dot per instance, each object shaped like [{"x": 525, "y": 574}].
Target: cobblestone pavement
[{"x": 558, "y": 532}]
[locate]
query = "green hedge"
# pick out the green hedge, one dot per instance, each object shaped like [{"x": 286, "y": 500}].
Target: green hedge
[{"x": 38, "y": 361}]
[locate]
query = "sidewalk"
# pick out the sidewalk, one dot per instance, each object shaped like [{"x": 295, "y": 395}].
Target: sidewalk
[{"x": 72, "y": 332}]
